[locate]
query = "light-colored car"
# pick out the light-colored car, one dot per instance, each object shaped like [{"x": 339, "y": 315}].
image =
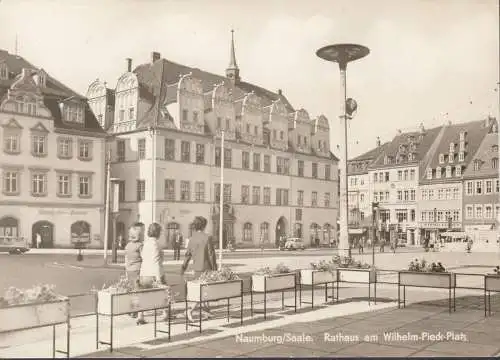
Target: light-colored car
[{"x": 294, "y": 244}]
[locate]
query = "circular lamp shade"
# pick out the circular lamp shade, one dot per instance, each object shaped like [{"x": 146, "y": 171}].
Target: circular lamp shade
[{"x": 343, "y": 53}]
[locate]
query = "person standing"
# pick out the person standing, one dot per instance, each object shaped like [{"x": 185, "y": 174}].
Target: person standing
[
  {"x": 152, "y": 260},
  {"x": 133, "y": 261},
  {"x": 361, "y": 245},
  {"x": 177, "y": 244},
  {"x": 201, "y": 250},
  {"x": 38, "y": 240}
]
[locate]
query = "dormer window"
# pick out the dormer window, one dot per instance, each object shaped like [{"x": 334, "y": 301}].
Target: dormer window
[
  {"x": 40, "y": 78},
  {"x": 477, "y": 165},
  {"x": 451, "y": 157},
  {"x": 25, "y": 105},
  {"x": 429, "y": 174},
  {"x": 494, "y": 163},
  {"x": 438, "y": 172},
  {"x": 386, "y": 160},
  {"x": 494, "y": 149},
  {"x": 410, "y": 157},
  {"x": 452, "y": 147},
  {"x": 448, "y": 171},
  {"x": 462, "y": 136},
  {"x": 4, "y": 72},
  {"x": 461, "y": 156},
  {"x": 401, "y": 148},
  {"x": 441, "y": 158},
  {"x": 458, "y": 170},
  {"x": 73, "y": 113}
]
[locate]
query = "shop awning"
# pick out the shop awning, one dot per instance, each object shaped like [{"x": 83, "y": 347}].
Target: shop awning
[{"x": 356, "y": 231}]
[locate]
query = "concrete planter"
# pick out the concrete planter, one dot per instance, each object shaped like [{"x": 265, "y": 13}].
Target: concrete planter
[
  {"x": 27, "y": 316},
  {"x": 273, "y": 282},
  {"x": 443, "y": 280},
  {"x": 365, "y": 276},
  {"x": 313, "y": 277},
  {"x": 492, "y": 282},
  {"x": 197, "y": 291},
  {"x": 109, "y": 303}
]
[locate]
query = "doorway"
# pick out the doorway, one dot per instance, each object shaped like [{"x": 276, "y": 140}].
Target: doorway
[
  {"x": 46, "y": 231},
  {"x": 169, "y": 235},
  {"x": 281, "y": 230}
]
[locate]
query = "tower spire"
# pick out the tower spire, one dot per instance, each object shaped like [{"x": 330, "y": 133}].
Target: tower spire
[{"x": 233, "y": 72}]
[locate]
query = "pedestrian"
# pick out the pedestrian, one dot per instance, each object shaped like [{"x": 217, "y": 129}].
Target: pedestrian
[
  {"x": 361, "y": 245},
  {"x": 38, "y": 240},
  {"x": 152, "y": 261},
  {"x": 369, "y": 242},
  {"x": 382, "y": 245},
  {"x": 177, "y": 244},
  {"x": 201, "y": 250},
  {"x": 133, "y": 261}
]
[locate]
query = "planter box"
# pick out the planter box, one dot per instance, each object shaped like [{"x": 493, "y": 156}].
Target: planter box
[
  {"x": 26, "y": 316},
  {"x": 444, "y": 280},
  {"x": 357, "y": 275},
  {"x": 492, "y": 282},
  {"x": 109, "y": 303},
  {"x": 277, "y": 282},
  {"x": 313, "y": 277},
  {"x": 197, "y": 291}
]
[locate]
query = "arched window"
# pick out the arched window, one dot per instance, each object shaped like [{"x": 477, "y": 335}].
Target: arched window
[
  {"x": 8, "y": 230},
  {"x": 247, "y": 232},
  {"x": 264, "y": 232}
]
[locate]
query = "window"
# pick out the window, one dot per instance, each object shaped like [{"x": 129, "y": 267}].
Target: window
[
  {"x": 227, "y": 193},
  {"x": 199, "y": 191},
  {"x": 217, "y": 156},
  {"x": 245, "y": 194},
  {"x": 141, "y": 190},
  {"x": 412, "y": 195},
  {"x": 256, "y": 195},
  {"x": 64, "y": 147},
  {"x": 267, "y": 196},
  {"x": 405, "y": 175},
  {"x": 451, "y": 157},
  {"x": 300, "y": 198},
  {"x": 400, "y": 175},
  {"x": 441, "y": 194},
  {"x": 441, "y": 158},
  {"x": 327, "y": 199},
  {"x": 429, "y": 174},
  {"x": 219, "y": 123},
  {"x": 497, "y": 211},
  {"x": 401, "y": 215},
  {"x": 300, "y": 168},
  {"x": 424, "y": 195},
  {"x": 169, "y": 149},
  {"x": 185, "y": 190},
  {"x": 85, "y": 150},
  {"x": 406, "y": 195},
  {"x": 458, "y": 171},
  {"x": 386, "y": 176},
  {"x": 452, "y": 147},
  {"x": 456, "y": 215},
  {"x": 479, "y": 187},
  {"x": 469, "y": 212},
  {"x": 448, "y": 193},
  {"x": 228, "y": 124},
  {"x": 469, "y": 188},
  {"x": 267, "y": 163},
  {"x": 423, "y": 216},
  {"x": 131, "y": 113},
  {"x": 8, "y": 230},
  {"x": 121, "y": 115},
  {"x": 84, "y": 186},
  {"x": 438, "y": 173},
  {"x": 448, "y": 171},
  {"x": 10, "y": 182},
  {"x": 281, "y": 166},
  {"x": 256, "y": 162},
  {"x": 74, "y": 113},
  {"x": 184, "y": 115},
  {"x": 4, "y": 73},
  {"x": 170, "y": 189},
  {"x": 245, "y": 160},
  {"x": 39, "y": 184},
  {"x": 120, "y": 150},
  {"x": 195, "y": 116},
  {"x": 282, "y": 135},
  {"x": 456, "y": 193},
  {"x": 479, "y": 211},
  {"x": 431, "y": 194},
  {"x": 264, "y": 232},
  {"x": 314, "y": 198},
  {"x": 489, "y": 186},
  {"x": 400, "y": 196},
  {"x": 412, "y": 215},
  {"x": 461, "y": 156},
  {"x": 282, "y": 197},
  {"x": 185, "y": 151},
  {"x": 477, "y": 165},
  {"x": 412, "y": 174},
  {"x": 328, "y": 172},
  {"x": 39, "y": 145},
  {"x": 247, "y": 232},
  {"x": 63, "y": 184},
  {"x": 375, "y": 196},
  {"x": 315, "y": 170},
  {"x": 228, "y": 158},
  {"x": 497, "y": 186},
  {"x": 494, "y": 163},
  {"x": 200, "y": 153},
  {"x": 141, "y": 148},
  {"x": 488, "y": 211},
  {"x": 380, "y": 197}
]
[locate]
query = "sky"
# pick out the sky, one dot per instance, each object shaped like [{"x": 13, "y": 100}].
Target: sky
[{"x": 430, "y": 61}]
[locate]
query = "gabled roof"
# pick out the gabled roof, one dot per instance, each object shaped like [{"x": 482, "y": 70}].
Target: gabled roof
[
  {"x": 421, "y": 140},
  {"x": 53, "y": 92},
  {"x": 485, "y": 153},
  {"x": 149, "y": 77},
  {"x": 371, "y": 154}
]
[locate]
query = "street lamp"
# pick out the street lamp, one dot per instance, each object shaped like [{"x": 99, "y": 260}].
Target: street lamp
[
  {"x": 221, "y": 198},
  {"x": 343, "y": 54}
]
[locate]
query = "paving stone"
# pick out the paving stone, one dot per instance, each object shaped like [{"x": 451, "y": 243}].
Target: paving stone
[
  {"x": 286, "y": 350},
  {"x": 463, "y": 315},
  {"x": 232, "y": 345},
  {"x": 252, "y": 321},
  {"x": 160, "y": 350},
  {"x": 479, "y": 337},
  {"x": 427, "y": 354},
  {"x": 107, "y": 354},
  {"x": 183, "y": 336},
  {"x": 192, "y": 352},
  {"x": 465, "y": 348},
  {"x": 371, "y": 349}
]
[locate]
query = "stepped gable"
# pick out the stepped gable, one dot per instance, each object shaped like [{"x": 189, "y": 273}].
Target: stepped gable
[
  {"x": 149, "y": 77},
  {"x": 417, "y": 143},
  {"x": 485, "y": 153},
  {"x": 52, "y": 92}
]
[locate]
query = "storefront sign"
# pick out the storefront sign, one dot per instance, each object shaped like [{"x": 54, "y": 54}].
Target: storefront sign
[{"x": 62, "y": 212}]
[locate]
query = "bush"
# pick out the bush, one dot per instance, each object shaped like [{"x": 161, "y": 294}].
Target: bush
[
  {"x": 36, "y": 295},
  {"x": 324, "y": 266},
  {"x": 423, "y": 266},
  {"x": 224, "y": 274},
  {"x": 349, "y": 262},
  {"x": 279, "y": 269}
]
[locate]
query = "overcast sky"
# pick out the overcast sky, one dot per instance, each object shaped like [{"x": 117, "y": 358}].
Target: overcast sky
[{"x": 428, "y": 58}]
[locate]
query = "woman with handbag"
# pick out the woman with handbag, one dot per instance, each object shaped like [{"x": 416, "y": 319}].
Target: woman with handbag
[
  {"x": 133, "y": 261},
  {"x": 152, "y": 260}
]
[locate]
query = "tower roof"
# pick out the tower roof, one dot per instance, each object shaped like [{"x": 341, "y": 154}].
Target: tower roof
[{"x": 232, "y": 61}]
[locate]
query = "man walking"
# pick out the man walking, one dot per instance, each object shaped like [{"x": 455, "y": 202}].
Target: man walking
[{"x": 177, "y": 244}]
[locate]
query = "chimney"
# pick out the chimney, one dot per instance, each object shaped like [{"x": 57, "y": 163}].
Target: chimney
[
  {"x": 129, "y": 64},
  {"x": 155, "y": 56},
  {"x": 378, "y": 141},
  {"x": 280, "y": 92}
]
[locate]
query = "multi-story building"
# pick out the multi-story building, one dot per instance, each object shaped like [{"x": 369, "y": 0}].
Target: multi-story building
[
  {"x": 394, "y": 176},
  {"x": 52, "y": 161},
  {"x": 440, "y": 196},
  {"x": 481, "y": 208},
  {"x": 360, "y": 191},
  {"x": 279, "y": 174}
]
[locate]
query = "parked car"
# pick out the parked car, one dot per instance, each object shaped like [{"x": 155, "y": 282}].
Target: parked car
[{"x": 294, "y": 244}]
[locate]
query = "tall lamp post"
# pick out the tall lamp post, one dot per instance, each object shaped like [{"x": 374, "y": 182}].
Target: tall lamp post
[
  {"x": 221, "y": 198},
  {"x": 343, "y": 54}
]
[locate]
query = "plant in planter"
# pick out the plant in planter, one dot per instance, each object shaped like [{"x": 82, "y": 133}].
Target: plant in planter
[
  {"x": 423, "y": 266},
  {"x": 214, "y": 285},
  {"x": 267, "y": 279},
  {"x": 279, "y": 269},
  {"x": 34, "y": 307},
  {"x": 320, "y": 273},
  {"x": 224, "y": 274},
  {"x": 420, "y": 273},
  {"x": 496, "y": 271},
  {"x": 349, "y": 262}
]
